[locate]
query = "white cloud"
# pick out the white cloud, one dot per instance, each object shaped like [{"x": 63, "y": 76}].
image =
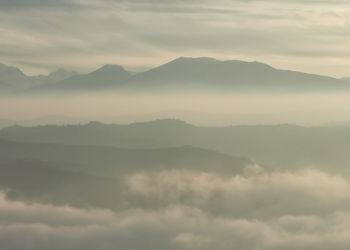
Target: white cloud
[
  {"x": 190, "y": 225},
  {"x": 174, "y": 228},
  {"x": 265, "y": 195}
]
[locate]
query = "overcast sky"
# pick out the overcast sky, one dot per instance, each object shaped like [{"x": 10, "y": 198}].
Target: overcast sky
[{"x": 42, "y": 35}]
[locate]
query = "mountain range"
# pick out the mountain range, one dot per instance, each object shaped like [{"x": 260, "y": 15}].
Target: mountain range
[
  {"x": 93, "y": 176},
  {"x": 13, "y": 79},
  {"x": 271, "y": 145},
  {"x": 180, "y": 74},
  {"x": 92, "y": 165}
]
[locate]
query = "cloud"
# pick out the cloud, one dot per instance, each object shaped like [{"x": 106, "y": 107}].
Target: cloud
[
  {"x": 25, "y": 4},
  {"x": 266, "y": 195},
  {"x": 173, "y": 227},
  {"x": 15, "y": 212},
  {"x": 303, "y": 35}
]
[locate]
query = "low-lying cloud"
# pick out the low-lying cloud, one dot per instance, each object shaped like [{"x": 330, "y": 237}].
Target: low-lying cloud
[
  {"x": 280, "y": 210},
  {"x": 262, "y": 195}
]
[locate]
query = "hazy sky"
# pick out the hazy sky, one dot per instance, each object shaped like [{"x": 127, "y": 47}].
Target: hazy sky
[{"x": 42, "y": 35}]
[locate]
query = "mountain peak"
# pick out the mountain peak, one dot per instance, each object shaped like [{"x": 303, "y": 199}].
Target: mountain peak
[
  {"x": 111, "y": 68},
  {"x": 6, "y": 69},
  {"x": 253, "y": 64},
  {"x": 61, "y": 71},
  {"x": 196, "y": 59},
  {"x": 60, "y": 75},
  {"x": 169, "y": 122}
]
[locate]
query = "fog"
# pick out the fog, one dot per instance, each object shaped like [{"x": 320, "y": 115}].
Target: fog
[
  {"x": 199, "y": 109},
  {"x": 174, "y": 125},
  {"x": 287, "y": 210},
  {"x": 138, "y": 186}
]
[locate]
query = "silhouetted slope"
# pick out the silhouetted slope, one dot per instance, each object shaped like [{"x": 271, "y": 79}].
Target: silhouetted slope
[
  {"x": 282, "y": 146},
  {"x": 163, "y": 133},
  {"x": 208, "y": 70},
  {"x": 94, "y": 176},
  {"x": 215, "y": 74},
  {"x": 13, "y": 79},
  {"x": 199, "y": 74},
  {"x": 112, "y": 162},
  {"x": 36, "y": 181},
  {"x": 108, "y": 76},
  {"x": 53, "y": 77}
]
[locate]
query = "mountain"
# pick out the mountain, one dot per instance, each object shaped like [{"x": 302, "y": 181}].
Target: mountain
[
  {"x": 107, "y": 161},
  {"x": 39, "y": 182},
  {"x": 202, "y": 74},
  {"x": 13, "y": 79},
  {"x": 53, "y": 77},
  {"x": 197, "y": 74},
  {"x": 154, "y": 134},
  {"x": 106, "y": 77},
  {"x": 233, "y": 74},
  {"x": 94, "y": 176},
  {"x": 285, "y": 146}
]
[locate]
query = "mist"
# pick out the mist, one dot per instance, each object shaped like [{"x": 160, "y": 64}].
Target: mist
[
  {"x": 174, "y": 125},
  {"x": 205, "y": 109},
  {"x": 196, "y": 211}
]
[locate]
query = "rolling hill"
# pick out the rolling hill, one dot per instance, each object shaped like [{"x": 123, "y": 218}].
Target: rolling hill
[
  {"x": 276, "y": 145},
  {"x": 107, "y": 161},
  {"x": 94, "y": 176}
]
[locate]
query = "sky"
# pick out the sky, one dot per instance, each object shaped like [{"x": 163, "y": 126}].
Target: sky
[{"x": 39, "y": 36}]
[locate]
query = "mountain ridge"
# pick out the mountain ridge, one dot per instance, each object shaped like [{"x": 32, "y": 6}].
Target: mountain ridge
[
  {"x": 12, "y": 78},
  {"x": 205, "y": 73},
  {"x": 198, "y": 74},
  {"x": 272, "y": 145},
  {"x": 102, "y": 77}
]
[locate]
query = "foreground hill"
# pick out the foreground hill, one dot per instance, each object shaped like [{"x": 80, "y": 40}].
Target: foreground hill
[
  {"x": 94, "y": 176},
  {"x": 280, "y": 145},
  {"x": 111, "y": 161},
  {"x": 36, "y": 181}
]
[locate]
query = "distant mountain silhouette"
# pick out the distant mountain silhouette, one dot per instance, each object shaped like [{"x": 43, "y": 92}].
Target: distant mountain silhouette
[
  {"x": 53, "y": 77},
  {"x": 200, "y": 74},
  {"x": 232, "y": 74},
  {"x": 12, "y": 78},
  {"x": 184, "y": 73},
  {"x": 105, "y": 77},
  {"x": 279, "y": 145}
]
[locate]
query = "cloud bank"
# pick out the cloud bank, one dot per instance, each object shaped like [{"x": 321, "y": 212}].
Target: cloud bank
[{"x": 302, "y": 210}]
